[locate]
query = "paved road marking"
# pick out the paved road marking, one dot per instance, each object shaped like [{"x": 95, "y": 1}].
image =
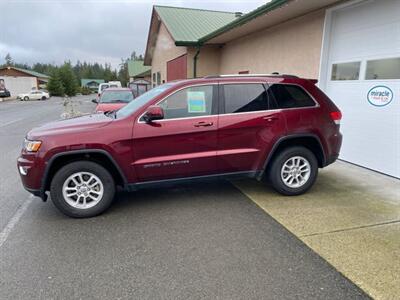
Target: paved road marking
[
  {"x": 11, "y": 122},
  {"x": 14, "y": 220}
]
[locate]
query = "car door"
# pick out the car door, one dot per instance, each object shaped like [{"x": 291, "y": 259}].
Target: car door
[
  {"x": 247, "y": 127},
  {"x": 184, "y": 143},
  {"x": 33, "y": 95}
]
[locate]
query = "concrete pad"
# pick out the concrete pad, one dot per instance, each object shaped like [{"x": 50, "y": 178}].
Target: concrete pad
[
  {"x": 370, "y": 257},
  {"x": 349, "y": 217}
]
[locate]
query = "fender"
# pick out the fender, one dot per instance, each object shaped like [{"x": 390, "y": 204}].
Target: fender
[
  {"x": 289, "y": 137},
  {"x": 42, "y": 193}
]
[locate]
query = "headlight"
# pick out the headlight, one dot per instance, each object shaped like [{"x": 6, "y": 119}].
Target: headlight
[{"x": 32, "y": 146}]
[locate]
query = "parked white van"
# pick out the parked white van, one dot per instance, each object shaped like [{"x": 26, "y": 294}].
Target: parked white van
[{"x": 110, "y": 84}]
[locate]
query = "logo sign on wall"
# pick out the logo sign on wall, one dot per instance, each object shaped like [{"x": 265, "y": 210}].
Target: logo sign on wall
[{"x": 380, "y": 95}]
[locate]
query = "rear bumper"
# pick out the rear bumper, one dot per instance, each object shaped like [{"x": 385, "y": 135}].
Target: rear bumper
[
  {"x": 331, "y": 160},
  {"x": 335, "y": 143}
]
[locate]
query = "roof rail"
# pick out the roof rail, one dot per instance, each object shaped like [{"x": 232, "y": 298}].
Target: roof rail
[{"x": 274, "y": 74}]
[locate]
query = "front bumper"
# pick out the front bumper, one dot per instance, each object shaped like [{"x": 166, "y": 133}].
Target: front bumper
[{"x": 31, "y": 170}]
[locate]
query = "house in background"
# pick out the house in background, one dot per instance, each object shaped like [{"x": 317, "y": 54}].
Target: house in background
[
  {"x": 139, "y": 77},
  {"x": 19, "y": 81},
  {"x": 92, "y": 84},
  {"x": 350, "y": 46},
  {"x": 172, "y": 50},
  {"x": 137, "y": 70}
]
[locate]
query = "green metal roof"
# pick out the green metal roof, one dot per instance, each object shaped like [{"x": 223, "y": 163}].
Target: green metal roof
[
  {"x": 188, "y": 25},
  {"x": 136, "y": 68},
  {"x": 85, "y": 81},
  {"x": 33, "y": 73},
  {"x": 270, "y": 6}
]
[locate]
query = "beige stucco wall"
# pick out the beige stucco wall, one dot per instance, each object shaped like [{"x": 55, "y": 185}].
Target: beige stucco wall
[
  {"x": 208, "y": 61},
  {"x": 293, "y": 47},
  {"x": 164, "y": 51}
]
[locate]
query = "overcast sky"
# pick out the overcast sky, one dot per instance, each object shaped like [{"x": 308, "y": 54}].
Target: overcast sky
[{"x": 52, "y": 31}]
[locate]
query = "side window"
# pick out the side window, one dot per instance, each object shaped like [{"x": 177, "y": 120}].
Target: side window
[
  {"x": 346, "y": 71},
  {"x": 388, "y": 68},
  {"x": 290, "y": 96},
  {"x": 190, "y": 102},
  {"x": 245, "y": 98}
]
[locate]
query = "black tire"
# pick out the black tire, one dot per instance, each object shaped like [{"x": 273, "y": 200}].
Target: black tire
[
  {"x": 26, "y": 98},
  {"x": 44, "y": 98},
  {"x": 56, "y": 189},
  {"x": 277, "y": 164}
]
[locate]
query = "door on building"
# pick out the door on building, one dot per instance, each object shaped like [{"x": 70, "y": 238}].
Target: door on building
[
  {"x": 177, "y": 68},
  {"x": 362, "y": 76}
]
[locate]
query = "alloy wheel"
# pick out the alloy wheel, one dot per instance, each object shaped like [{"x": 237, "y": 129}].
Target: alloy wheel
[{"x": 83, "y": 190}]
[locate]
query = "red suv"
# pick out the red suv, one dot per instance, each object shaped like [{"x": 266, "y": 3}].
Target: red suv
[
  {"x": 113, "y": 99},
  {"x": 278, "y": 127}
]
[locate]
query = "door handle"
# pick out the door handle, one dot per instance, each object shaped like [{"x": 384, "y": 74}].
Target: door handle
[
  {"x": 270, "y": 119},
  {"x": 203, "y": 124}
]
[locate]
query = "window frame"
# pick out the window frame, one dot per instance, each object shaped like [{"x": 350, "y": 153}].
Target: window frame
[
  {"x": 366, "y": 60},
  {"x": 222, "y": 97},
  {"x": 214, "y": 108},
  {"x": 316, "y": 103},
  {"x": 360, "y": 70}
]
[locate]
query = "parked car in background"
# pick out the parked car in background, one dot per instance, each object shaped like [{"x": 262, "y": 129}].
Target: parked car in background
[
  {"x": 34, "y": 95},
  {"x": 110, "y": 84},
  {"x": 278, "y": 127},
  {"x": 113, "y": 99},
  {"x": 3, "y": 91}
]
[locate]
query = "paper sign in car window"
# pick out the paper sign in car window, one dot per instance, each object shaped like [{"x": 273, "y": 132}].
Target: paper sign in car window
[{"x": 196, "y": 102}]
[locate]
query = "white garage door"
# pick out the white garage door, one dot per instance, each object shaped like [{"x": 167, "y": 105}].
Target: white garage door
[
  {"x": 362, "y": 76},
  {"x": 19, "y": 85}
]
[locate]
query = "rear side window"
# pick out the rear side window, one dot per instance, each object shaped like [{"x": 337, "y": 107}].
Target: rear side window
[
  {"x": 245, "y": 98},
  {"x": 290, "y": 96}
]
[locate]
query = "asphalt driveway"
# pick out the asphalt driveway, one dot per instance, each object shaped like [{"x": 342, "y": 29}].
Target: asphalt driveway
[{"x": 204, "y": 240}]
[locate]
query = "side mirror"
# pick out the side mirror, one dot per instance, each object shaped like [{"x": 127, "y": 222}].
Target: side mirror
[
  {"x": 94, "y": 101},
  {"x": 154, "y": 112}
]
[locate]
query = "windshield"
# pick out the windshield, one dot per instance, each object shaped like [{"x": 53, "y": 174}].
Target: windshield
[
  {"x": 116, "y": 97},
  {"x": 142, "y": 100}
]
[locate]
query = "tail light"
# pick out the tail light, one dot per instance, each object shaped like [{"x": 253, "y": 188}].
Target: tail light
[{"x": 336, "y": 116}]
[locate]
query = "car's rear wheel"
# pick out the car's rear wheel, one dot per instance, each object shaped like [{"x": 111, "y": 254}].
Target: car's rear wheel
[
  {"x": 82, "y": 189},
  {"x": 293, "y": 171},
  {"x": 26, "y": 98}
]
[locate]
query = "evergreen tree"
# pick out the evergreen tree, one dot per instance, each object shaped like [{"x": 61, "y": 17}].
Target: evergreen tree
[
  {"x": 9, "y": 60},
  {"x": 55, "y": 86},
  {"x": 123, "y": 74},
  {"x": 68, "y": 79}
]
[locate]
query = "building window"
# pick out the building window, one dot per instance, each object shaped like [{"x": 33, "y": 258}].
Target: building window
[
  {"x": 289, "y": 96},
  {"x": 388, "y": 68},
  {"x": 245, "y": 98},
  {"x": 154, "y": 80},
  {"x": 190, "y": 102},
  {"x": 158, "y": 78},
  {"x": 346, "y": 71}
]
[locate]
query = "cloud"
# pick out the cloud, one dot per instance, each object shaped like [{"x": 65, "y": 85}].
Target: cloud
[{"x": 102, "y": 31}]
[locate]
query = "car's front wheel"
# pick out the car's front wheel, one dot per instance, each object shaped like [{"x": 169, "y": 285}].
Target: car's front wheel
[
  {"x": 44, "y": 98},
  {"x": 82, "y": 189},
  {"x": 293, "y": 171},
  {"x": 26, "y": 98}
]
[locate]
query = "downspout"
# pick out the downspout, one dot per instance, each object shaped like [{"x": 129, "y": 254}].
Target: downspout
[{"x": 195, "y": 61}]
